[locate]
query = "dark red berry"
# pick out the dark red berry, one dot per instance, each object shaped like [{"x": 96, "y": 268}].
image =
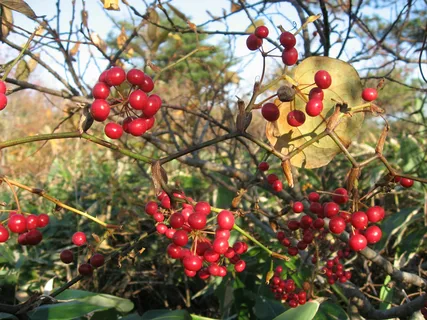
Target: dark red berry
[
  {"x": 176, "y": 220},
  {"x": 253, "y": 42},
  {"x": 331, "y": 209},
  {"x": 151, "y": 207},
  {"x": 314, "y": 197},
  {"x": 153, "y": 105},
  {"x": 34, "y": 237},
  {"x": 296, "y": 118},
  {"x": 135, "y": 77},
  {"x": 298, "y": 207},
  {"x": 174, "y": 251},
  {"x": 340, "y": 196},
  {"x": 17, "y": 223},
  {"x": 290, "y": 56},
  {"x": 316, "y": 93},
  {"x": 271, "y": 178},
  {"x": 86, "y": 269},
  {"x": 406, "y": 183},
  {"x": 97, "y": 260},
  {"x": 277, "y": 186},
  {"x": 180, "y": 238},
  {"x": 287, "y": 40},
  {"x": 147, "y": 84},
  {"x": 66, "y": 256},
  {"x": 314, "y": 107},
  {"x": 270, "y": 112},
  {"x": 263, "y": 166}
]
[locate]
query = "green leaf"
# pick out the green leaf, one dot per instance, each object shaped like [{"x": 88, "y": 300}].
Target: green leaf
[
  {"x": 4, "y": 315},
  {"x": 386, "y": 294},
  {"x": 7, "y": 254},
  {"x": 330, "y": 311},
  {"x": 266, "y": 309},
  {"x": 63, "y": 311},
  {"x": 304, "y": 312},
  {"x": 22, "y": 71},
  {"x": 166, "y": 315}
]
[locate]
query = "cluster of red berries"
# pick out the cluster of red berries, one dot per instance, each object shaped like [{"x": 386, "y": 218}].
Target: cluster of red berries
[
  {"x": 286, "y": 291},
  {"x": 25, "y": 227},
  {"x": 334, "y": 270},
  {"x": 3, "y": 97},
  {"x": 272, "y": 178},
  {"x": 404, "y": 182},
  {"x": 136, "y": 106},
  {"x": 85, "y": 269},
  {"x": 254, "y": 41},
  {"x": 187, "y": 228}
]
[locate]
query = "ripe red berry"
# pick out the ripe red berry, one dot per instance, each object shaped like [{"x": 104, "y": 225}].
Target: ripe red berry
[
  {"x": 253, "y": 42},
  {"x": 240, "y": 247},
  {"x": 406, "y": 183},
  {"x": 359, "y": 220},
  {"x": 42, "y": 220},
  {"x": 17, "y": 223},
  {"x": 290, "y": 56},
  {"x": 66, "y": 256},
  {"x": 2, "y": 87},
  {"x": 192, "y": 263},
  {"x": 153, "y": 105},
  {"x": 211, "y": 256},
  {"x": 34, "y": 237},
  {"x": 316, "y": 93},
  {"x": 100, "y": 109},
  {"x": 138, "y": 100},
  {"x": 180, "y": 238},
  {"x": 115, "y": 76},
  {"x": 79, "y": 238},
  {"x": 337, "y": 225},
  {"x": 287, "y": 40},
  {"x": 147, "y": 84},
  {"x": 113, "y": 130},
  {"x": 296, "y": 118},
  {"x": 222, "y": 233},
  {"x": 263, "y": 166},
  {"x": 293, "y": 251},
  {"x": 176, "y": 220},
  {"x": 373, "y": 234},
  {"x": 135, "y": 77},
  {"x": 101, "y": 91},
  {"x": 197, "y": 220},
  {"x": 190, "y": 273},
  {"x": 340, "y": 196},
  {"x": 32, "y": 221},
  {"x": 86, "y": 269},
  {"x": 369, "y": 94},
  {"x": 151, "y": 207},
  {"x": 270, "y": 112},
  {"x": 319, "y": 223},
  {"x": 97, "y": 260},
  {"x": 4, "y": 234},
  {"x": 358, "y": 242},
  {"x": 298, "y": 207},
  {"x": 293, "y": 225},
  {"x": 323, "y": 79},
  {"x": 137, "y": 127},
  {"x": 271, "y": 178},
  {"x": 159, "y": 217},
  {"x": 331, "y": 209},
  {"x": 240, "y": 266},
  {"x": 277, "y": 186},
  {"x": 161, "y": 228},
  {"x": 375, "y": 214},
  {"x": 220, "y": 245},
  {"x": 316, "y": 208},
  {"x": 230, "y": 253},
  {"x": 174, "y": 251},
  {"x": 3, "y": 101},
  {"x": 313, "y": 197},
  {"x": 261, "y": 32},
  {"x": 169, "y": 233},
  {"x": 204, "y": 274},
  {"x": 202, "y": 207},
  {"x": 225, "y": 220},
  {"x": 148, "y": 121},
  {"x": 103, "y": 76},
  {"x": 314, "y": 107}
]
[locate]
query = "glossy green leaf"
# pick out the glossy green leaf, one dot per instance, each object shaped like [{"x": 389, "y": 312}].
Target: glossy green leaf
[
  {"x": 266, "y": 309},
  {"x": 330, "y": 311},
  {"x": 386, "y": 294},
  {"x": 304, "y": 312},
  {"x": 166, "y": 315},
  {"x": 63, "y": 311}
]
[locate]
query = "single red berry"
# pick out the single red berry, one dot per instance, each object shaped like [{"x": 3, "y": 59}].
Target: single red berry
[
  {"x": 86, "y": 269},
  {"x": 290, "y": 56},
  {"x": 225, "y": 220},
  {"x": 369, "y": 94},
  {"x": 298, "y": 207},
  {"x": 301, "y": 245},
  {"x": 2, "y": 87},
  {"x": 222, "y": 233},
  {"x": 229, "y": 253},
  {"x": 240, "y": 247},
  {"x": 331, "y": 209},
  {"x": 147, "y": 84},
  {"x": 103, "y": 76},
  {"x": 271, "y": 178},
  {"x": 359, "y": 220},
  {"x": 42, "y": 220},
  {"x": 202, "y": 207},
  {"x": 148, "y": 121},
  {"x": 34, "y": 237},
  {"x": 100, "y": 109},
  {"x": 137, "y": 127},
  {"x": 240, "y": 266},
  {"x": 97, "y": 260},
  {"x": 135, "y": 77},
  {"x": 79, "y": 238},
  {"x": 270, "y": 112},
  {"x": 153, "y": 105},
  {"x": 323, "y": 79},
  {"x": 32, "y": 222},
  {"x": 313, "y": 197},
  {"x": 17, "y": 223},
  {"x": 293, "y": 225},
  {"x": 337, "y": 225},
  {"x": 66, "y": 256},
  {"x": 340, "y": 196},
  {"x": 222, "y": 271},
  {"x": 192, "y": 263},
  {"x": 406, "y": 183},
  {"x": 4, "y": 234},
  {"x": 296, "y": 118},
  {"x": 190, "y": 273},
  {"x": 197, "y": 220},
  {"x": 314, "y": 107},
  {"x": 3, "y": 101},
  {"x": 161, "y": 228},
  {"x": 319, "y": 223},
  {"x": 263, "y": 166},
  {"x": 375, "y": 214},
  {"x": 287, "y": 40},
  {"x": 277, "y": 186},
  {"x": 169, "y": 233},
  {"x": 292, "y": 251},
  {"x": 373, "y": 234},
  {"x": 316, "y": 208},
  {"x": 261, "y": 32},
  {"x": 115, "y": 76},
  {"x": 126, "y": 122},
  {"x": 306, "y": 222},
  {"x": 151, "y": 207},
  {"x": 113, "y": 130},
  {"x": 204, "y": 274},
  {"x": 180, "y": 238},
  {"x": 220, "y": 245},
  {"x": 253, "y": 42},
  {"x": 358, "y": 242},
  {"x": 174, "y": 251},
  {"x": 138, "y": 100},
  {"x": 308, "y": 237},
  {"x": 159, "y": 217},
  {"x": 316, "y": 93},
  {"x": 101, "y": 91},
  {"x": 176, "y": 220},
  {"x": 211, "y": 256}
]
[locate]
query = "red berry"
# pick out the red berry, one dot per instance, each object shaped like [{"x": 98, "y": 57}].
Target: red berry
[
  {"x": 225, "y": 220},
  {"x": 202, "y": 207},
  {"x": 32, "y": 221},
  {"x": 115, "y": 76},
  {"x": 153, "y": 105},
  {"x": 101, "y": 91},
  {"x": 369, "y": 94},
  {"x": 138, "y": 99},
  {"x": 261, "y": 32},
  {"x": 270, "y": 112},
  {"x": 240, "y": 247},
  {"x": 220, "y": 245},
  {"x": 137, "y": 127},
  {"x": 97, "y": 260},
  {"x": 86, "y": 269},
  {"x": 135, "y": 77},
  {"x": 340, "y": 196},
  {"x": 287, "y": 40},
  {"x": 211, "y": 256},
  {"x": 253, "y": 42},
  {"x": 190, "y": 273},
  {"x": 147, "y": 84},
  {"x": 222, "y": 233},
  {"x": 319, "y": 223},
  {"x": 240, "y": 266},
  {"x": 301, "y": 245},
  {"x": 323, "y": 79},
  {"x": 79, "y": 238},
  {"x": 331, "y": 209},
  {"x": 161, "y": 228},
  {"x": 125, "y": 123},
  {"x": 204, "y": 274},
  {"x": 277, "y": 186},
  {"x": 180, "y": 238},
  {"x": 358, "y": 242},
  {"x": 271, "y": 178},
  {"x": 293, "y": 225},
  {"x": 373, "y": 234},
  {"x": 149, "y": 122},
  {"x": 314, "y": 197},
  {"x": 17, "y": 223},
  {"x": 113, "y": 130},
  {"x": 230, "y": 253},
  {"x": 174, "y": 251},
  {"x": 66, "y": 256},
  {"x": 169, "y": 233},
  {"x": 100, "y": 109},
  {"x": 197, "y": 220},
  {"x": 305, "y": 222},
  {"x": 151, "y": 207},
  {"x": 34, "y": 237},
  {"x": 42, "y": 220},
  {"x": 290, "y": 56},
  {"x": 359, "y": 220},
  {"x": 159, "y": 217},
  {"x": 316, "y": 208},
  {"x": 314, "y": 107},
  {"x": 298, "y": 207},
  {"x": 316, "y": 93},
  {"x": 296, "y": 118},
  {"x": 406, "y": 183},
  {"x": 192, "y": 263},
  {"x": 375, "y": 214},
  {"x": 337, "y": 225},
  {"x": 176, "y": 220},
  {"x": 293, "y": 251},
  {"x": 4, "y": 234},
  {"x": 263, "y": 166},
  {"x": 103, "y": 76},
  {"x": 2, "y": 87},
  {"x": 3, "y": 101}
]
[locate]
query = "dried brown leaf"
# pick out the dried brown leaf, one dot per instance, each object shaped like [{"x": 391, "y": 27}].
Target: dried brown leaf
[
  {"x": 19, "y": 6},
  {"x": 235, "y": 7},
  {"x": 287, "y": 170},
  {"x": 6, "y": 21},
  {"x": 75, "y": 49},
  {"x": 178, "y": 13},
  {"x": 85, "y": 17}
]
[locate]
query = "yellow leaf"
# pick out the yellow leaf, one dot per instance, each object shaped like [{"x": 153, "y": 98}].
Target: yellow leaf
[
  {"x": 32, "y": 64},
  {"x": 6, "y": 21},
  {"x": 257, "y": 23},
  {"x": 152, "y": 29},
  {"x": 22, "y": 71},
  {"x": 75, "y": 49},
  {"x": 121, "y": 39},
  {"x": 97, "y": 41},
  {"x": 111, "y": 4}
]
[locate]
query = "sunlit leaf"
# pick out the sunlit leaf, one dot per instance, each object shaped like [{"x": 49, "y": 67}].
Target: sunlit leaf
[
  {"x": 257, "y": 23},
  {"x": 22, "y": 71},
  {"x": 111, "y": 4},
  {"x": 152, "y": 29},
  {"x": 6, "y": 21},
  {"x": 304, "y": 312},
  {"x": 19, "y": 6}
]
